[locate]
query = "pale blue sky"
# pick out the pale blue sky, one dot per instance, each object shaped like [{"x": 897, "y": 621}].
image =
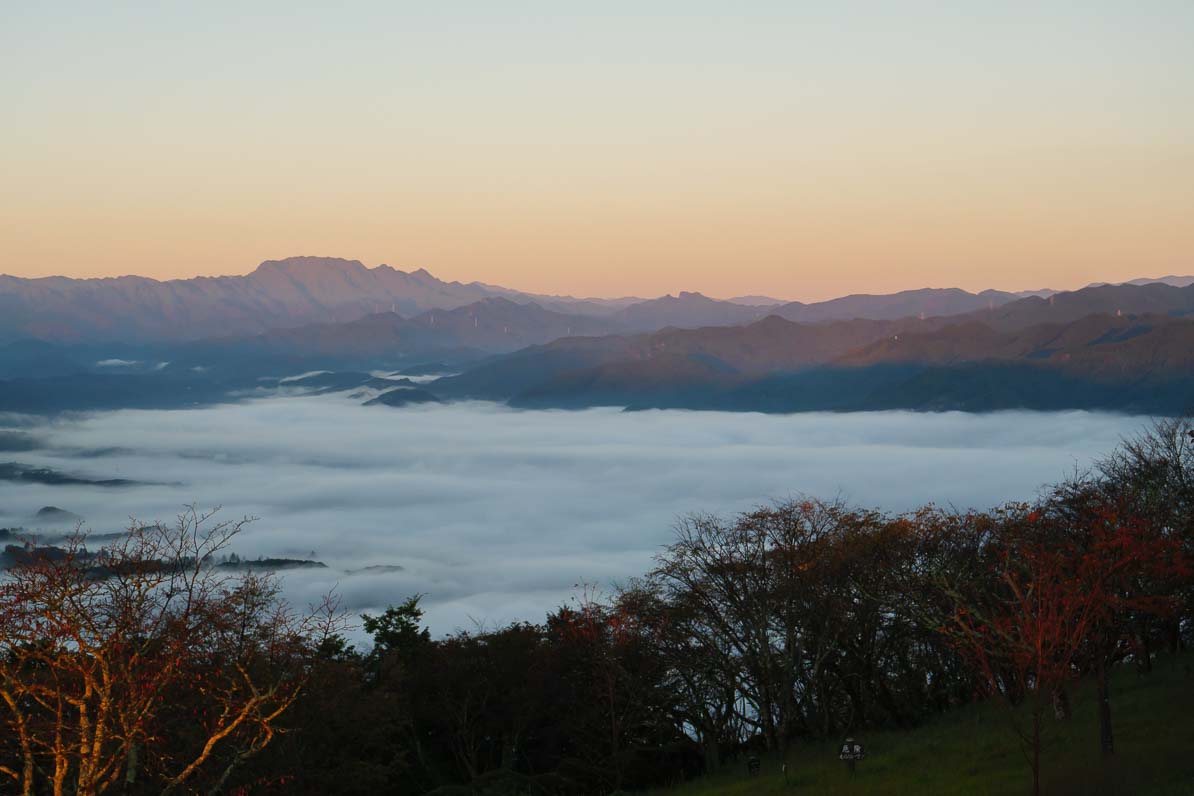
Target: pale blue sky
[{"x": 801, "y": 148}]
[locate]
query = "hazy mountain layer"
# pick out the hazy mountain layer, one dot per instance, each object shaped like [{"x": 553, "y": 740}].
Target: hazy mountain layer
[
  {"x": 319, "y": 290},
  {"x": 928, "y": 302},
  {"x": 1107, "y": 346},
  {"x": 1072, "y": 350},
  {"x": 279, "y": 293}
]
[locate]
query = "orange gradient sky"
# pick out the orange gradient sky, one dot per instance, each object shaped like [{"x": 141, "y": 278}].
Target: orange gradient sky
[{"x": 797, "y": 149}]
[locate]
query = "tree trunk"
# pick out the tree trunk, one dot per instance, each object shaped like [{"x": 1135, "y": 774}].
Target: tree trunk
[
  {"x": 509, "y": 750},
  {"x": 1036, "y": 750},
  {"x": 1144, "y": 653},
  {"x": 1061, "y": 703},
  {"x": 826, "y": 715},
  {"x": 712, "y": 753},
  {"x": 130, "y": 769},
  {"x": 1175, "y": 635},
  {"x": 769, "y": 733},
  {"x": 889, "y": 704},
  {"x": 1106, "y": 738}
]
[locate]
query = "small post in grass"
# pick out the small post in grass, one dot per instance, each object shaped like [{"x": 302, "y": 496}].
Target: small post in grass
[{"x": 851, "y": 752}]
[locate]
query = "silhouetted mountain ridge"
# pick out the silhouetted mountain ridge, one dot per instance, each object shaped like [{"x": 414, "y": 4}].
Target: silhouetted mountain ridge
[
  {"x": 928, "y": 302},
  {"x": 278, "y": 293},
  {"x": 1113, "y": 361},
  {"x": 299, "y": 291}
]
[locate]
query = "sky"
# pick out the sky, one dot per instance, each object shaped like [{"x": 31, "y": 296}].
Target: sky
[
  {"x": 497, "y": 514},
  {"x": 797, "y": 149}
]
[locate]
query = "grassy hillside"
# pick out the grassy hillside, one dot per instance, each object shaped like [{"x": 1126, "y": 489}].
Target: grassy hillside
[{"x": 974, "y": 751}]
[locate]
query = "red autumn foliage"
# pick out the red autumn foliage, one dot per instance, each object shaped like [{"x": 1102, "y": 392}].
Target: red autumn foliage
[{"x": 1052, "y": 595}]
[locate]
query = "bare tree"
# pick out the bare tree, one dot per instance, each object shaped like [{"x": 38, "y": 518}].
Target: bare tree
[{"x": 142, "y": 658}]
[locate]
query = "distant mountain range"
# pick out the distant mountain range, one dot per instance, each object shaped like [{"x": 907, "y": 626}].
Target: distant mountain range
[
  {"x": 489, "y": 326},
  {"x": 1117, "y": 347},
  {"x": 82, "y": 344},
  {"x": 300, "y": 291},
  {"x": 498, "y": 325},
  {"x": 927, "y": 302},
  {"x": 279, "y": 293},
  {"x": 1175, "y": 281}
]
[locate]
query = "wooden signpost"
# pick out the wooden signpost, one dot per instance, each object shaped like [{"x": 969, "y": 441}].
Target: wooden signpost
[{"x": 851, "y": 752}]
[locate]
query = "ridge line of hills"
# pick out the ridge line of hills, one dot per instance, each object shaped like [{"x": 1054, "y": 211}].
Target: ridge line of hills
[
  {"x": 304, "y": 290},
  {"x": 1128, "y": 347}
]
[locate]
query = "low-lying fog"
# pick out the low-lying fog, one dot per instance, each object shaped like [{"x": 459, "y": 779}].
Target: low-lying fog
[{"x": 495, "y": 513}]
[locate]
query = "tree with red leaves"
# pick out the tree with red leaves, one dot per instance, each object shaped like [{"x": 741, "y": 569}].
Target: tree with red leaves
[
  {"x": 1051, "y": 603},
  {"x": 1135, "y": 564},
  {"x": 607, "y": 655}
]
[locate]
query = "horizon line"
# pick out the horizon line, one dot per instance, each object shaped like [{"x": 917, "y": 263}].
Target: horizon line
[{"x": 568, "y": 296}]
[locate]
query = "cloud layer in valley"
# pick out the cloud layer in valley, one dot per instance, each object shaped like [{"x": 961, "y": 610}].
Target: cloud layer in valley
[{"x": 494, "y": 513}]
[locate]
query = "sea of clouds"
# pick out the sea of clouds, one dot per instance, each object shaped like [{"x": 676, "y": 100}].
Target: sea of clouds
[{"x": 498, "y": 514}]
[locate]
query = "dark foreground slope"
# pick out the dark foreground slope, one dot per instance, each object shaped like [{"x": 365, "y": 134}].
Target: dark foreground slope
[{"x": 973, "y": 751}]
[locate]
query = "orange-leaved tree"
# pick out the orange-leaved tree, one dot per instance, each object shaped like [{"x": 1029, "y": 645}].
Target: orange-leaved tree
[{"x": 143, "y": 664}]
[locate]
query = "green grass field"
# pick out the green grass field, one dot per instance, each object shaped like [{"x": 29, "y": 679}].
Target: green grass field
[{"x": 975, "y": 751}]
